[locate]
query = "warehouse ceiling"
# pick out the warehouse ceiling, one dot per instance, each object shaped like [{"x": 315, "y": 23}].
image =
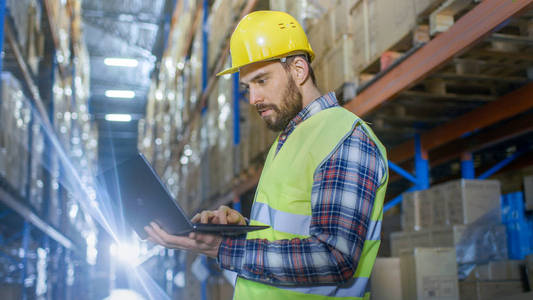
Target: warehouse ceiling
[{"x": 134, "y": 29}]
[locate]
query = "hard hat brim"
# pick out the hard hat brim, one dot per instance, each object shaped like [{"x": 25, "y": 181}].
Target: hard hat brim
[{"x": 229, "y": 71}]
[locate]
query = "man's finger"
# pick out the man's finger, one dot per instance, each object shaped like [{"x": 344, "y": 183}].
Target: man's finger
[
  {"x": 154, "y": 236},
  {"x": 196, "y": 218},
  {"x": 222, "y": 217},
  {"x": 206, "y": 216}
]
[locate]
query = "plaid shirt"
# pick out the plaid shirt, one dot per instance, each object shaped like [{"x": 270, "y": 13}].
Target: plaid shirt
[{"x": 342, "y": 198}]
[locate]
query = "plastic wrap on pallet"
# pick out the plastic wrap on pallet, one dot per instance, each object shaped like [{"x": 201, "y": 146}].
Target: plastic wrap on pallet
[
  {"x": 519, "y": 231},
  {"x": 181, "y": 28},
  {"x": 482, "y": 241},
  {"x": 82, "y": 81},
  {"x": 512, "y": 207},
  {"x": 54, "y": 203},
  {"x": 62, "y": 109},
  {"x": 61, "y": 14},
  {"x": 21, "y": 11},
  {"x": 37, "y": 165},
  {"x": 15, "y": 116},
  {"x": 221, "y": 18}
]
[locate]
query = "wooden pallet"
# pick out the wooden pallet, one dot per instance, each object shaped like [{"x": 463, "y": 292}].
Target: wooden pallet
[{"x": 444, "y": 17}]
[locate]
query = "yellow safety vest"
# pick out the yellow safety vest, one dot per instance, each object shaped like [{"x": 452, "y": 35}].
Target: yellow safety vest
[{"x": 283, "y": 201}]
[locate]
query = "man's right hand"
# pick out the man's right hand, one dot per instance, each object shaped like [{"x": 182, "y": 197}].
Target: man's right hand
[{"x": 223, "y": 215}]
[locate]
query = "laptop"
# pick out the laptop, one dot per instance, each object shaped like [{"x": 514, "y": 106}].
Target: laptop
[{"x": 144, "y": 199}]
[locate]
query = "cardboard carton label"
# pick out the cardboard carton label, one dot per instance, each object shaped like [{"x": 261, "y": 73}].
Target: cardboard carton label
[{"x": 439, "y": 286}]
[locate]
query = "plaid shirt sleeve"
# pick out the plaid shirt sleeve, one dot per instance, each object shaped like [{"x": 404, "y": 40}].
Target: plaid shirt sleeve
[{"x": 342, "y": 199}]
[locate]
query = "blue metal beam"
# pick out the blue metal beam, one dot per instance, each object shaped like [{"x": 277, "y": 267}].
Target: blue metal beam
[
  {"x": 2, "y": 18},
  {"x": 237, "y": 205},
  {"x": 5, "y": 213},
  {"x": 501, "y": 165},
  {"x": 205, "y": 47},
  {"x": 236, "y": 110},
  {"x": 14, "y": 237},
  {"x": 467, "y": 166},
  {"x": 421, "y": 165},
  {"x": 402, "y": 172},
  {"x": 421, "y": 180},
  {"x": 25, "y": 247},
  {"x": 11, "y": 258},
  {"x": 205, "y": 68}
]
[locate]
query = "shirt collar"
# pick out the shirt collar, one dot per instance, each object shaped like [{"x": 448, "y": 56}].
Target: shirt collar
[{"x": 319, "y": 104}]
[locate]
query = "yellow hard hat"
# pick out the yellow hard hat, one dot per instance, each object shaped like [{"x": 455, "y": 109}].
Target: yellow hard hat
[{"x": 266, "y": 35}]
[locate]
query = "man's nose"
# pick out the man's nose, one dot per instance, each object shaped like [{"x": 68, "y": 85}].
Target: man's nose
[{"x": 255, "y": 97}]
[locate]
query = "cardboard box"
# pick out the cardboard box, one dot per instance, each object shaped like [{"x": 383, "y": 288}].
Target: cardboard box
[
  {"x": 440, "y": 215},
  {"x": 417, "y": 211},
  {"x": 400, "y": 241},
  {"x": 467, "y": 200},
  {"x": 497, "y": 271},
  {"x": 435, "y": 237},
  {"x": 482, "y": 290},
  {"x": 320, "y": 36},
  {"x": 378, "y": 25},
  {"x": 391, "y": 223},
  {"x": 339, "y": 66},
  {"x": 447, "y": 236},
  {"x": 341, "y": 18},
  {"x": 425, "y": 7},
  {"x": 429, "y": 273},
  {"x": 522, "y": 296},
  {"x": 361, "y": 35},
  {"x": 528, "y": 192},
  {"x": 386, "y": 273}
]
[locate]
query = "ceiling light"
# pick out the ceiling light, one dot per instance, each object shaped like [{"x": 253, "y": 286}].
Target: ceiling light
[
  {"x": 118, "y": 117},
  {"x": 127, "y": 94},
  {"x": 121, "y": 62}
]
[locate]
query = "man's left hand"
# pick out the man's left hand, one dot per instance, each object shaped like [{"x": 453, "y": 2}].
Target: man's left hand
[{"x": 203, "y": 243}]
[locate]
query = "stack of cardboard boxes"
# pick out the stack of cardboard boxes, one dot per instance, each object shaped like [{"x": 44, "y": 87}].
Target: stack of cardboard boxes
[
  {"x": 352, "y": 34},
  {"x": 15, "y": 117},
  {"x": 437, "y": 216},
  {"x": 437, "y": 226}
]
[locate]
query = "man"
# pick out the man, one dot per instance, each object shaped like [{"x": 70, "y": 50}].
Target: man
[{"x": 322, "y": 185}]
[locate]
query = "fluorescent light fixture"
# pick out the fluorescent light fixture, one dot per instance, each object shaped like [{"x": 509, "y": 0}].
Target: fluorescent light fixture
[
  {"x": 121, "y": 62},
  {"x": 126, "y": 94},
  {"x": 118, "y": 117}
]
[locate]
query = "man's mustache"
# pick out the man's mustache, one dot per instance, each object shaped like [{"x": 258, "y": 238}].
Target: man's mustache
[{"x": 263, "y": 107}]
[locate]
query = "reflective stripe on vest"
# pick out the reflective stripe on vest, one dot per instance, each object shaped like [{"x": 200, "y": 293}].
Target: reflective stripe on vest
[
  {"x": 298, "y": 224},
  {"x": 355, "y": 288},
  {"x": 283, "y": 201},
  {"x": 280, "y": 220}
]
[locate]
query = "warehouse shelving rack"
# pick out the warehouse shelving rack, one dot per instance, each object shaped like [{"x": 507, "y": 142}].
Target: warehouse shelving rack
[
  {"x": 61, "y": 249},
  {"x": 422, "y": 63},
  {"x": 474, "y": 27}
]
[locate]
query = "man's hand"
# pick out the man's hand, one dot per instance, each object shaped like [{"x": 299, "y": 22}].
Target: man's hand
[
  {"x": 203, "y": 243},
  {"x": 223, "y": 215},
  {"x": 207, "y": 244}
]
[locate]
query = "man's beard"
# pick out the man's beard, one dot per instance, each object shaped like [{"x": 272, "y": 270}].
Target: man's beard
[{"x": 290, "y": 106}]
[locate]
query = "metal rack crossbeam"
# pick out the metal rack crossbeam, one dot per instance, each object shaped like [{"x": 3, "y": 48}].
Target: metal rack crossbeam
[
  {"x": 17, "y": 206},
  {"x": 475, "y": 25}
]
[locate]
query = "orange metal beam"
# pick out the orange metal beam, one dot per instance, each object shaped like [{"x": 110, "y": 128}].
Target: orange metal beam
[
  {"x": 468, "y": 30},
  {"x": 507, "y": 106},
  {"x": 512, "y": 129}
]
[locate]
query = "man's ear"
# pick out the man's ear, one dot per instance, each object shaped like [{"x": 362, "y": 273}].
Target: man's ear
[{"x": 299, "y": 70}]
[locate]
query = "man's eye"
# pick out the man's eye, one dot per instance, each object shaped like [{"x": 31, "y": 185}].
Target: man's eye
[{"x": 261, "y": 81}]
